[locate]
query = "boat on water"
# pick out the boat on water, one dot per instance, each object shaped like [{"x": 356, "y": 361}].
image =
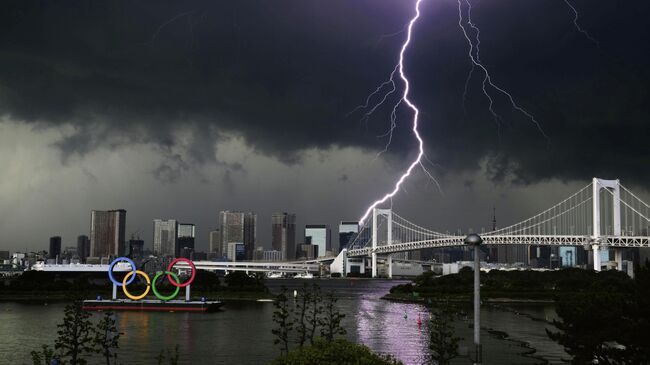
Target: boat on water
[
  {"x": 304, "y": 275},
  {"x": 152, "y": 305}
]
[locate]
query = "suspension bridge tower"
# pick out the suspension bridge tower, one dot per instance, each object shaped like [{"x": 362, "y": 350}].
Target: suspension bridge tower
[{"x": 614, "y": 188}]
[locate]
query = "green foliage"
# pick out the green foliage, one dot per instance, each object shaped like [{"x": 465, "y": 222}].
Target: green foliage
[
  {"x": 43, "y": 281},
  {"x": 75, "y": 334},
  {"x": 43, "y": 357},
  {"x": 606, "y": 319},
  {"x": 314, "y": 313},
  {"x": 107, "y": 338},
  {"x": 240, "y": 281},
  {"x": 303, "y": 302},
  {"x": 281, "y": 316},
  {"x": 331, "y": 321},
  {"x": 336, "y": 352},
  {"x": 206, "y": 281},
  {"x": 524, "y": 284},
  {"x": 442, "y": 340}
]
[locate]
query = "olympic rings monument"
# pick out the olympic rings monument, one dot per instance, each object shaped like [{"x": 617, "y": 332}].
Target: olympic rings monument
[{"x": 137, "y": 302}]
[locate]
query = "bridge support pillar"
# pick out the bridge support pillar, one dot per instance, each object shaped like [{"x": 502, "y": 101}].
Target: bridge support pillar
[
  {"x": 114, "y": 296},
  {"x": 389, "y": 260},
  {"x": 374, "y": 242},
  {"x": 374, "y": 265},
  {"x": 596, "y": 252},
  {"x": 187, "y": 293}
]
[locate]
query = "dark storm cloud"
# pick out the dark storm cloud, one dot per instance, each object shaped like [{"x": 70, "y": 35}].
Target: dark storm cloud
[{"x": 284, "y": 75}]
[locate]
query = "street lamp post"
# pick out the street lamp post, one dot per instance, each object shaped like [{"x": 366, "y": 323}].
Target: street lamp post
[{"x": 476, "y": 240}]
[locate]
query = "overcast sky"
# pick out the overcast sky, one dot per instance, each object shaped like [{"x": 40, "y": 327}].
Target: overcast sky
[{"x": 180, "y": 109}]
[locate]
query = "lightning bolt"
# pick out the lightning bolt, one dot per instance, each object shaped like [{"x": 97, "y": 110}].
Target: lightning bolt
[
  {"x": 474, "y": 56},
  {"x": 575, "y": 23},
  {"x": 416, "y": 112}
]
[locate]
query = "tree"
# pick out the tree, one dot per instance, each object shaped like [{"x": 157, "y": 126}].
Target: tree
[
  {"x": 442, "y": 340},
  {"x": 336, "y": 352},
  {"x": 302, "y": 305},
  {"x": 589, "y": 322},
  {"x": 107, "y": 337},
  {"x": 315, "y": 312},
  {"x": 44, "y": 357},
  {"x": 281, "y": 316},
  {"x": 331, "y": 320},
  {"x": 75, "y": 334},
  {"x": 206, "y": 281}
]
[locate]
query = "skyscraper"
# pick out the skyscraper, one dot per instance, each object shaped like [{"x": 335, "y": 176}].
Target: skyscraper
[
  {"x": 107, "y": 233},
  {"x": 136, "y": 249},
  {"x": 347, "y": 231},
  {"x": 283, "y": 231},
  {"x": 186, "y": 235},
  {"x": 55, "y": 247},
  {"x": 83, "y": 247},
  {"x": 215, "y": 244},
  {"x": 165, "y": 239},
  {"x": 238, "y": 227},
  {"x": 319, "y": 234}
]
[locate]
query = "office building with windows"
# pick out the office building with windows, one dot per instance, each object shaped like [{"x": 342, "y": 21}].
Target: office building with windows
[
  {"x": 165, "y": 237},
  {"x": 318, "y": 235},
  {"x": 283, "y": 232},
  {"x": 238, "y": 227},
  {"x": 107, "y": 233},
  {"x": 347, "y": 232}
]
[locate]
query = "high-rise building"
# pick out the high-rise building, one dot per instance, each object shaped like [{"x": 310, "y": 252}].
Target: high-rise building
[
  {"x": 83, "y": 247},
  {"x": 319, "y": 235},
  {"x": 306, "y": 252},
  {"x": 215, "y": 244},
  {"x": 236, "y": 251},
  {"x": 136, "y": 249},
  {"x": 347, "y": 231},
  {"x": 186, "y": 236},
  {"x": 165, "y": 238},
  {"x": 283, "y": 231},
  {"x": 238, "y": 227},
  {"x": 55, "y": 247},
  {"x": 107, "y": 233}
]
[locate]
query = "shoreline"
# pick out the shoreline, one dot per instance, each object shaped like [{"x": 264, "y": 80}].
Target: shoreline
[
  {"x": 423, "y": 300},
  {"x": 35, "y": 298}
]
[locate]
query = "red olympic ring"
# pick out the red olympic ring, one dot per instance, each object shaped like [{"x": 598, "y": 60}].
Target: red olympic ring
[{"x": 171, "y": 266}]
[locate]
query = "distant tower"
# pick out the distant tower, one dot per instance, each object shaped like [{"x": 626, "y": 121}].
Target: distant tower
[
  {"x": 283, "y": 232},
  {"x": 494, "y": 218},
  {"x": 55, "y": 248},
  {"x": 107, "y": 233},
  {"x": 238, "y": 227}
]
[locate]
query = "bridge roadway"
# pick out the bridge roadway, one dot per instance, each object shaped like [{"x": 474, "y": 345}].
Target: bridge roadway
[
  {"x": 251, "y": 266},
  {"x": 540, "y": 240}
]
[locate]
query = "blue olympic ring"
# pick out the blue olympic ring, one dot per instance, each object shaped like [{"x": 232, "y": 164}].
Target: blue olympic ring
[{"x": 112, "y": 265}]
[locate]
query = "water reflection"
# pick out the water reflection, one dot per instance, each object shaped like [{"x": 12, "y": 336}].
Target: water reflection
[{"x": 241, "y": 332}]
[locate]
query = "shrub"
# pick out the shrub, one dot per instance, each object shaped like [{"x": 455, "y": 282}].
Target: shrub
[{"x": 336, "y": 352}]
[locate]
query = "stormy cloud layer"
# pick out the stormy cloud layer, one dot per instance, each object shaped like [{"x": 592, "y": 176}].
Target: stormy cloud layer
[{"x": 179, "y": 83}]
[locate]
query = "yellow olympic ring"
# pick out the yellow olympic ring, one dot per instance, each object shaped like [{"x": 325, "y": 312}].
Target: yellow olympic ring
[{"x": 126, "y": 292}]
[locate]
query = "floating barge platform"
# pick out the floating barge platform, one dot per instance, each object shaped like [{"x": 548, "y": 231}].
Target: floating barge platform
[{"x": 152, "y": 305}]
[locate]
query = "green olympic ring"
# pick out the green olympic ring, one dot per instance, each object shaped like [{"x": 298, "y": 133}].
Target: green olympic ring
[{"x": 153, "y": 285}]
